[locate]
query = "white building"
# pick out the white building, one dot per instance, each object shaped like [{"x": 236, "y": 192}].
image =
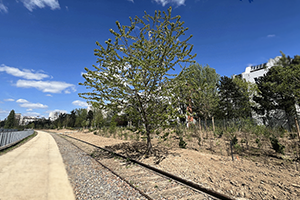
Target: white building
[
  {"x": 55, "y": 114},
  {"x": 27, "y": 119},
  {"x": 253, "y": 72}
]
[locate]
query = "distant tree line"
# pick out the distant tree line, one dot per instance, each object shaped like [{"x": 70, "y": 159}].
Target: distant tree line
[
  {"x": 278, "y": 91},
  {"x": 204, "y": 95}
]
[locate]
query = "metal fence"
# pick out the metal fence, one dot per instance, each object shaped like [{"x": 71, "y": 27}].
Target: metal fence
[{"x": 10, "y": 138}]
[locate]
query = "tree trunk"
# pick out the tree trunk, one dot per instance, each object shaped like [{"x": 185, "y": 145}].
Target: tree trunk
[
  {"x": 213, "y": 124},
  {"x": 206, "y": 129},
  {"x": 149, "y": 145}
]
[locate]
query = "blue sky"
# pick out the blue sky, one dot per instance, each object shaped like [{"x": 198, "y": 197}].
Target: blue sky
[{"x": 45, "y": 44}]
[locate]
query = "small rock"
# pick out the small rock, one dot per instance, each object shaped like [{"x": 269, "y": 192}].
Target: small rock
[{"x": 297, "y": 186}]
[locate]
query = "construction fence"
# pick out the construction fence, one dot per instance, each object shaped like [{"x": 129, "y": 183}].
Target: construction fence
[{"x": 9, "y": 138}]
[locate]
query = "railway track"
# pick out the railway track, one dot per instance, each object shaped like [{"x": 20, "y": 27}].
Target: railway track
[{"x": 151, "y": 182}]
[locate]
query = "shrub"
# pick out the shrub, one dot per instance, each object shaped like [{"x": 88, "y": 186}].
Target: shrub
[
  {"x": 257, "y": 141},
  {"x": 165, "y": 136},
  {"x": 182, "y": 143},
  {"x": 279, "y": 148}
]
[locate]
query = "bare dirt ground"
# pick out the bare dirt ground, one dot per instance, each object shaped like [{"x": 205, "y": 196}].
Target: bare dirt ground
[{"x": 248, "y": 177}]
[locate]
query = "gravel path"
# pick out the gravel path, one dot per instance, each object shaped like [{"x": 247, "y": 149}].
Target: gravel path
[{"x": 89, "y": 179}]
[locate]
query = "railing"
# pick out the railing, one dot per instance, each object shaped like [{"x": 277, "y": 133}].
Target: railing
[{"x": 8, "y": 139}]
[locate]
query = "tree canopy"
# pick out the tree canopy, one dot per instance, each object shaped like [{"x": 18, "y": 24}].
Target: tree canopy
[
  {"x": 10, "y": 121},
  {"x": 234, "y": 100},
  {"x": 200, "y": 89},
  {"x": 279, "y": 89},
  {"x": 132, "y": 74}
]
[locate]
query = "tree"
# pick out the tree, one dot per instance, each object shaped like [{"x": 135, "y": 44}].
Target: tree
[
  {"x": 98, "y": 119},
  {"x": 2, "y": 123},
  {"x": 133, "y": 71},
  {"x": 10, "y": 121},
  {"x": 279, "y": 90},
  {"x": 90, "y": 117},
  {"x": 72, "y": 118},
  {"x": 81, "y": 114},
  {"x": 234, "y": 100},
  {"x": 201, "y": 89}
]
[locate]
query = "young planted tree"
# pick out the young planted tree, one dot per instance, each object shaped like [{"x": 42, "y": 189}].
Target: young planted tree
[{"x": 133, "y": 71}]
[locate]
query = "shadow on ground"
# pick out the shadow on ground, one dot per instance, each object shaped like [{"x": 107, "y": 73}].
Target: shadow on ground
[{"x": 135, "y": 151}]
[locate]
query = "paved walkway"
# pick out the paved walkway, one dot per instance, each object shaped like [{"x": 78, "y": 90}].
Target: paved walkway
[{"x": 34, "y": 170}]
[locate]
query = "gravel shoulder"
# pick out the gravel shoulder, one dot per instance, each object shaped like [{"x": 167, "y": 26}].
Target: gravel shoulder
[{"x": 90, "y": 180}]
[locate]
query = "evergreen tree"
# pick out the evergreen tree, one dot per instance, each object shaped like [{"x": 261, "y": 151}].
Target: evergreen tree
[
  {"x": 133, "y": 70},
  {"x": 90, "y": 117},
  {"x": 72, "y": 120},
  {"x": 279, "y": 90},
  {"x": 234, "y": 101},
  {"x": 10, "y": 120}
]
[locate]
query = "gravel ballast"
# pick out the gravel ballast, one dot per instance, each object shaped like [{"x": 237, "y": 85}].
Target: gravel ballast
[{"x": 89, "y": 179}]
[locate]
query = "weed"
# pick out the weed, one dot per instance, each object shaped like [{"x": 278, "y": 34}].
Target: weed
[{"x": 182, "y": 143}]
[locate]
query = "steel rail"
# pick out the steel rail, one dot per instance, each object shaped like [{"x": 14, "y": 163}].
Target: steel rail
[{"x": 166, "y": 174}]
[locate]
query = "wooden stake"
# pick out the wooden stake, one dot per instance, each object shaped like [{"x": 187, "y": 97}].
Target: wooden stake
[
  {"x": 213, "y": 123},
  {"x": 297, "y": 126}
]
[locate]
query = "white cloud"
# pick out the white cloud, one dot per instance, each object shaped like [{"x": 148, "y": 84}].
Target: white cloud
[
  {"x": 22, "y": 101},
  {"x": 3, "y": 8},
  {"x": 131, "y": 1},
  {"x": 32, "y": 114},
  {"x": 26, "y": 104},
  {"x": 80, "y": 103},
  {"x": 48, "y": 95},
  {"x": 165, "y": 2},
  {"x": 3, "y": 114},
  {"x": 270, "y": 36},
  {"x": 46, "y": 86},
  {"x": 25, "y": 73},
  {"x": 3, "y": 111},
  {"x": 33, "y": 105},
  {"x": 30, "y": 109},
  {"x": 9, "y": 100},
  {"x": 32, "y": 4}
]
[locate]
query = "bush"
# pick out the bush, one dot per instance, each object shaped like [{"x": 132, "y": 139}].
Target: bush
[
  {"x": 234, "y": 140},
  {"x": 165, "y": 136},
  {"x": 279, "y": 148},
  {"x": 257, "y": 141},
  {"x": 218, "y": 132},
  {"x": 182, "y": 143},
  {"x": 179, "y": 132}
]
